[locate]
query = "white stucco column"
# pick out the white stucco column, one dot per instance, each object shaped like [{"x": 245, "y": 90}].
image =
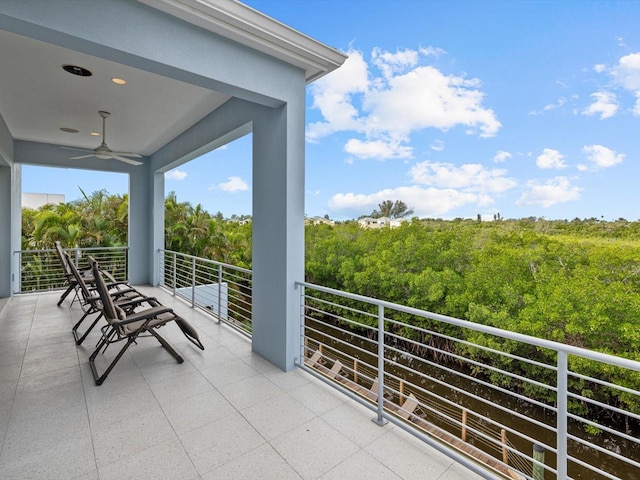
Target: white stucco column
[
  {"x": 278, "y": 232},
  {"x": 157, "y": 235},
  {"x": 140, "y": 225},
  {"x": 10, "y": 225}
]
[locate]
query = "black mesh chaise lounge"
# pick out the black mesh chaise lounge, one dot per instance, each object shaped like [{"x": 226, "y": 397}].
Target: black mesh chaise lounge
[
  {"x": 121, "y": 293},
  {"x": 70, "y": 280},
  {"x": 144, "y": 320}
]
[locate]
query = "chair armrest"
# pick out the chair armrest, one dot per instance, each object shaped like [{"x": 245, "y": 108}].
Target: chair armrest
[{"x": 148, "y": 314}]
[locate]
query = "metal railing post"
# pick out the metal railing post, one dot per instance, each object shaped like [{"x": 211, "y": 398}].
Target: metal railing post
[
  {"x": 561, "y": 422},
  {"x": 380, "y": 420},
  {"x": 219, "y": 291},
  {"x": 193, "y": 282},
  {"x": 18, "y": 271},
  {"x": 173, "y": 280}
]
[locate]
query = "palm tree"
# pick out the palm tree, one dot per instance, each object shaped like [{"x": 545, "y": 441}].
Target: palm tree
[{"x": 388, "y": 208}]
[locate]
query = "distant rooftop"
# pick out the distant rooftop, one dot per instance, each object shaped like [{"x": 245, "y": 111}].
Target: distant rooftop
[{"x": 37, "y": 200}]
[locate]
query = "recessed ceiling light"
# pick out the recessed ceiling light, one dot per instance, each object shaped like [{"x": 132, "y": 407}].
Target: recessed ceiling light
[
  {"x": 95, "y": 134},
  {"x": 119, "y": 81},
  {"x": 69, "y": 130},
  {"x": 76, "y": 70}
]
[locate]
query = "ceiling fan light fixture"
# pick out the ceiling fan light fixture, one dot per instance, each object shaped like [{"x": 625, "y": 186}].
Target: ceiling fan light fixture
[
  {"x": 119, "y": 81},
  {"x": 76, "y": 70},
  {"x": 95, "y": 134}
]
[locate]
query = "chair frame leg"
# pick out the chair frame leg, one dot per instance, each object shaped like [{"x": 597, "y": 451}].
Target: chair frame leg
[
  {"x": 105, "y": 342},
  {"x": 80, "y": 338},
  {"x": 66, "y": 292},
  {"x": 99, "y": 379}
]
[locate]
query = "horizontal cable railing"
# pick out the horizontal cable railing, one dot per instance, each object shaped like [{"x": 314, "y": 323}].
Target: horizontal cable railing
[
  {"x": 40, "y": 270},
  {"x": 218, "y": 288},
  {"x": 525, "y": 407}
]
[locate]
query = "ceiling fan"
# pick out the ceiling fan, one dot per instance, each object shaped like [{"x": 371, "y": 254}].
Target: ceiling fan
[{"x": 103, "y": 151}]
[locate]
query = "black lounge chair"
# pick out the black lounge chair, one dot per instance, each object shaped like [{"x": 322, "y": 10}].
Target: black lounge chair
[
  {"x": 128, "y": 326},
  {"x": 120, "y": 292},
  {"x": 72, "y": 284}
]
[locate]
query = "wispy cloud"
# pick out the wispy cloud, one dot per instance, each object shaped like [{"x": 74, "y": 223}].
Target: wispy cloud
[
  {"x": 605, "y": 104},
  {"x": 548, "y": 193},
  {"x": 437, "y": 145},
  {"x": 377, "y": 149},
  {"x": 501, "y": 156},
  {"x": 551, "y": 106},
  {"x": 550, "y": 158},
  {"x": 175, "y": 175},
  {"x": 394, "y": 96},
  {"x": 600, "y": 157},
  {"x": 627, "y": 74},
  {"x": 233, "y": 184},
  {"x": 470, "y": 177},
  {"x": 426, "y": 202}
]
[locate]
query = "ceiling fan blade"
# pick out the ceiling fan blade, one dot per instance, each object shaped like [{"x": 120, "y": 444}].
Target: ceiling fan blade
[
  {"x": 81, "y": 156},
  {"x": 78, "y": 149},
  {"x": 124, "y": 159},
  {"x": 128, "y": 154}
]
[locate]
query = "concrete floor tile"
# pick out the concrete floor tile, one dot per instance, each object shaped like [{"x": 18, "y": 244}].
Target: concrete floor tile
[
  {"x": 314, "y": 448},
  {"x": 165, "y": 461},
  {"x": 263, "y": 463},
  {"x": 277, "y": 416},
  {"x": 361, "y": 465}
]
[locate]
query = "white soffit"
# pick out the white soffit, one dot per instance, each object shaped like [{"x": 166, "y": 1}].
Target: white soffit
[{"x": 245, "y": 25}]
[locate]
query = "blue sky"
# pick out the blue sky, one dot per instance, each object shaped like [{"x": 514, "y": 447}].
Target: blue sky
[{"x": 457, "y": 108}]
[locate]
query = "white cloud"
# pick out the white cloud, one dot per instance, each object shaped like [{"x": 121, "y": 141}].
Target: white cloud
[
  {"x": 434, "y": 51},
  {"x": 599, "y": 68},
  {"x": 605, "y": 104},
  {"x": 175, "y": 175},
  {"x": 234, "y": 184},
  {"x": 391, "y": 63},
  {"x": 551, "y": 158},
  {"x": 551, "y": 192},
  {"x": 332, "y": 96},
  {"x": 627, "y": 74},
  {"x": 426, "y": 202},
  {"x": 601, "y": 156},
  {"x": 437, "y": 145},
  {"x": 403, "y": 98},
  {"x": 471, "y": 177},
  {"x": 551, "y": 106},
  {"x": 378, "y": 149},
  {"x": 501, "y": 156}
]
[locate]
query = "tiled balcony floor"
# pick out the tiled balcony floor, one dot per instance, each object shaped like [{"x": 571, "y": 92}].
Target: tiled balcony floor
[{"x": 224, "y": 413}]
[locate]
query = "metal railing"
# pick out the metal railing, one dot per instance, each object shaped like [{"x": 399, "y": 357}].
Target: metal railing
[
  {"x": 220, "y": 289},
  {"x": 40, "y": 270},
  {"x": 523, "y": 406}
]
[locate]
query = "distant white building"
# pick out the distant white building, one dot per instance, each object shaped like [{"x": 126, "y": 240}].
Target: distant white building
[
  {"x": 320, "y": 221},
  {"x": 370, "y": 222},
  {"x": 37, "y": 200},
  {"x": 381, "y": 222}
]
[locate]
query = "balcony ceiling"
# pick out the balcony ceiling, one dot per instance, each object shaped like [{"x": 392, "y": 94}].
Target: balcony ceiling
[{"x": 38, "y": 98}]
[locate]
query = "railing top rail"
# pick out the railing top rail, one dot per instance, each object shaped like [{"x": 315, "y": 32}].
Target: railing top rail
[
  {"x": 207, "y": 260},
  {"x": 539, "y": 342},
  {"x": 51, "y": 250}
]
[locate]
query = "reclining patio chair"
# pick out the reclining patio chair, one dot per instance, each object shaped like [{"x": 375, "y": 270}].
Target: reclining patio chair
[
  {"x": 120, "y": 292},
  {"x": 129, "y": 326},
  {"x": 72, "y": 284}
]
